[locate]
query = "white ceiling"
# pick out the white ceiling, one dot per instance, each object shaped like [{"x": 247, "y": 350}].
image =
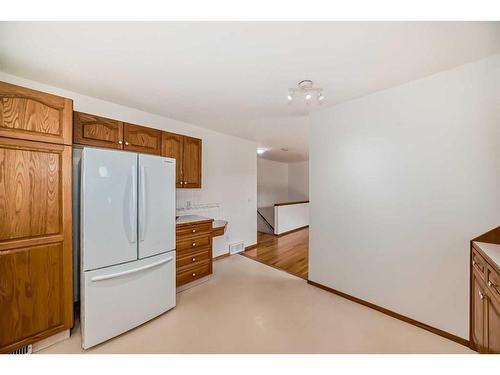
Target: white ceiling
[{"x": 233, "y": 76}]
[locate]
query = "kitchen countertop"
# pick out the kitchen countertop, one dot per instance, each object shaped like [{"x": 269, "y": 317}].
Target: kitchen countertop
[
  {"x": 188, "y": 219},
  {"x": 491, "y": 250}
]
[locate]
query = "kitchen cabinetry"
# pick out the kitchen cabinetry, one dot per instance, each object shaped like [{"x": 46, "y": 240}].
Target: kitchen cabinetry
[
  {"x": 191, "y": 162},
  {"x": 194, "y": 251},
  {"x": 35, "y": 216},
  {"x": 485, "y": 296},
  {"x": 34, "y": 115},
  {"x": 141, "y": 139},
  {"x": 187, "y": 152},
  {"x": 171, "y": 146},
  {"x": 99, "y": 131}
]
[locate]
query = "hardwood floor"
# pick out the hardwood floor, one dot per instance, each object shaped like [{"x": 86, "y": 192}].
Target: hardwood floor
[{"x": 289, "y": 253}]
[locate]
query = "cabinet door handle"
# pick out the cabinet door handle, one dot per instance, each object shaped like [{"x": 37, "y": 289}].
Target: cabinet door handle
[
  {"x": 473, "y": 262},
  {"x": 481, "y": 295},
  {"x": 126, "y": 143},
  {"x": 490, "y": 284},
  {"x": 120, "y": 142}
]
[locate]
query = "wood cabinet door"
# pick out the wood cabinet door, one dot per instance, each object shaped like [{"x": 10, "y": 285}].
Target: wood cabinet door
[
  {"x": 34, "y": 115},
  {"x": 141, "y": 139},
  {"x": 35, "y": 241},
  {"x": 493, "y": 325},
  {"x": 478, "y": 300},
  {"x": 97, "y": 131},
  {"x": 191, "y": 163},
  {"x": 171, "y": 147}
]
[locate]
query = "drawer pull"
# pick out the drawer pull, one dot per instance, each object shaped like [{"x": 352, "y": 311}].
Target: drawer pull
[
  {"x": 194, "y": 274},
  {"x": 194, "y": 244},
  {"x": 490, "y": 284},
  {"x": 194, "y": 230},
  {"x": 194, "y": 259},
  {"x": 481, "y": 295}
]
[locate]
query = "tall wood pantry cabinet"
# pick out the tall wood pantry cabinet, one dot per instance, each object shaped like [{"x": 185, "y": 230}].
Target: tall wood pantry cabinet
[{"x": 35, "y": 216}]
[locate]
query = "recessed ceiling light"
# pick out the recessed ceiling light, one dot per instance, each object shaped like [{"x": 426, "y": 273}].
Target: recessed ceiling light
[
  {"x": 284, "y": 149},
  {"x": 260, "y": 151}
]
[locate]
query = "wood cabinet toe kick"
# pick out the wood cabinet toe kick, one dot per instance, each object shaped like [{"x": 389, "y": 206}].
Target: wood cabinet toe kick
[{"x": 193, "y": 252}]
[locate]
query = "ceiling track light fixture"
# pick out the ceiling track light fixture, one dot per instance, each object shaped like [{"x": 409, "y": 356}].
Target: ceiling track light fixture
[{"x": 307, "y": 92}]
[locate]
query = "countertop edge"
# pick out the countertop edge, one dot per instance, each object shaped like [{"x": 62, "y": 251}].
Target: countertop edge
[
  {"x": 484, "y": 253},
  {"x": 194, "y": 222}
]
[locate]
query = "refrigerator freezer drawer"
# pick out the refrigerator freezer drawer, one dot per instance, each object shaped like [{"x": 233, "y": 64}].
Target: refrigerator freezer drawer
[{"x": 118, "y": 298}]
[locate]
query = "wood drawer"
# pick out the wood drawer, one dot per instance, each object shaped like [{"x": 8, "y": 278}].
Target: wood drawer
[
  {"x": 479, "y": 264},
  {"x": 193, "y": 230},
  {"x": 494, "y": 283},
  {"x": 193, "y": 243},
  {"x": 194, "y": 273},
  {"x": 193, "y": 258}
]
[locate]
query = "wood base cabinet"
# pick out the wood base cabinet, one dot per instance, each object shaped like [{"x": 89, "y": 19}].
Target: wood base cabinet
[
  {"x": 193, "y": 251},
  {"x": 35, "y": 217},
  {"x": 485, "y": 301}
]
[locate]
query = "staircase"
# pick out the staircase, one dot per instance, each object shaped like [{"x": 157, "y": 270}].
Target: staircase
[{"x": 265, "y": 219}]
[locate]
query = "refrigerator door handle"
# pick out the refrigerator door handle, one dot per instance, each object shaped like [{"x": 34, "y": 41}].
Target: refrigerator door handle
[
  {"x": 142, "y": 214},
  {"x": 128, "y": 272},
  {"x": 133, "y": 205}
]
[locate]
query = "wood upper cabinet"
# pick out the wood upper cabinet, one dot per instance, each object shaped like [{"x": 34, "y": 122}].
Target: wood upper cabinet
[
  {"x": 142, "y": 139},
  {"x": 191, "y": 165},
  {"x": 171, "y": 146},
  {"x": 97, "y": 131},
  {"x": 187, "y": 153},
  {"x": 34, "y": 115},
  {"x": 104, "y": 132},
  {"x": 35, "y": 241}
]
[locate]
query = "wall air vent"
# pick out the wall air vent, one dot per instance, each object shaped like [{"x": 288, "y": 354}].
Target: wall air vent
[
  {"x": 236, "y": 247},
  {"x": 28, "y": 349}
]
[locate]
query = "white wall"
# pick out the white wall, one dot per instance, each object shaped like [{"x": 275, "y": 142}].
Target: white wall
[
  {"x": 401, "y": 180},
  {"x": 290, "y": 217},
  {"x": 272, "y": 182},
  {"x": 298, "y": 181},
  {"x": 229, "y": 174}
]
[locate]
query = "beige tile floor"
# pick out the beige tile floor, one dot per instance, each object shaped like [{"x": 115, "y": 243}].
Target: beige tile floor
[{"x": 248, "y": 307}]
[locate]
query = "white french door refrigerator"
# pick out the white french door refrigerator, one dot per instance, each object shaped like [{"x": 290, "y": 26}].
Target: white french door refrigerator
[{"x": 127, "y": 241}]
